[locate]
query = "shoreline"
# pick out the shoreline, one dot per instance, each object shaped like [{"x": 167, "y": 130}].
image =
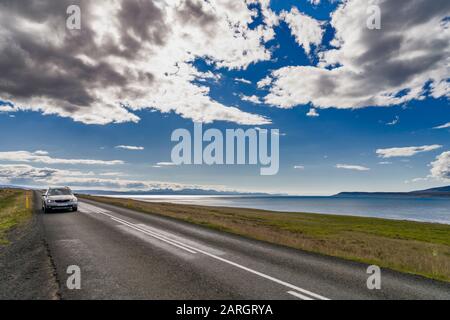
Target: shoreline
[
  {"x": 239, "y": 202},
  {"x": 421, "y": 248}
]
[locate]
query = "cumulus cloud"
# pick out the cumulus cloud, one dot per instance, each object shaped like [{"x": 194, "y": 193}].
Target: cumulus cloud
[
  {"x": 306, "y": 30},
  {"x": 43, "y": 177},
  {"x": 352, "y": 167},
  {"x": 129, "y": 147},
  {"x": 42, "y": 157},
  {"x": 129, "y": 55},
  {"x": 253, "y": 99},
  {"x": 405, "y": 151},
  {"x": 407, "y": 59},
  {"x": 5, "y": 108},
  {"x": 440, "y": 169},
  {"x": 164, "y": 164}
]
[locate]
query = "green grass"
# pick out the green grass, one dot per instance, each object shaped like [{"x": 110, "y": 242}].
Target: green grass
[
  {"x": 407, "y": 246},
  {"x": 13, "y": 210}
]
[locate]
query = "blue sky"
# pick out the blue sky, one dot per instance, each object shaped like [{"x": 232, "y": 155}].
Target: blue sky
[{"x": 346, "y": 134}]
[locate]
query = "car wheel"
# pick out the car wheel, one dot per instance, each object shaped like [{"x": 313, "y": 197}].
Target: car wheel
[{"x": 74, "y": 209}]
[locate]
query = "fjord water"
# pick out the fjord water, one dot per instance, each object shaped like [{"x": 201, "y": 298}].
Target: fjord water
[{"x": 399, "y": 208}]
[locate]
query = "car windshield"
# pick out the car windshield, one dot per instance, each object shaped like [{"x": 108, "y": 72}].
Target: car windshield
[{"x": 59, "y": 192}]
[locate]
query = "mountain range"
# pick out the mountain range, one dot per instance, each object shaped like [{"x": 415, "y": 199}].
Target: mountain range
[{"x": 433, "y": 192}]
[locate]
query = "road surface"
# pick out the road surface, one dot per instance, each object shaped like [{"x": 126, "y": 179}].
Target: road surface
[{"x": 124, "y": 254}]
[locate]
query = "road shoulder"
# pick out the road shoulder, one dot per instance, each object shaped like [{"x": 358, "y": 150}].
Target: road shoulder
[{"x": 26, "y": 268}]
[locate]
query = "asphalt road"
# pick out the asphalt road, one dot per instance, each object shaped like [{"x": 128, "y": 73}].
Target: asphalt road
[{"x": 124, "y": 254}]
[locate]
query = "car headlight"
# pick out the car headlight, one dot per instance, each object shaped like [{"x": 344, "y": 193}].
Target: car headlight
[
  {"x": 74, "y": 199},
  {"x": 49, "y": 201}
]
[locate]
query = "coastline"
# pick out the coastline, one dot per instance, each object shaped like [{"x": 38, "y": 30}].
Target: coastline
[
  {"x": 420, "y": 248},
  {"x": 419, "y": 209}
]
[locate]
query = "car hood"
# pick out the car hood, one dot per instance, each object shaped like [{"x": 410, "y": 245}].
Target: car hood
[{"x": 60, "y": 197}]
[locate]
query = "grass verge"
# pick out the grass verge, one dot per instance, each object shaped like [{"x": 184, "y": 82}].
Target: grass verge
[
  {"x": 13, "y": 210},
  {"x": 406, "y": 246}
]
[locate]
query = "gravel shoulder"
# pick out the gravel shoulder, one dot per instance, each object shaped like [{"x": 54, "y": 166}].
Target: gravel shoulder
[{"x": 26, "y": 268}]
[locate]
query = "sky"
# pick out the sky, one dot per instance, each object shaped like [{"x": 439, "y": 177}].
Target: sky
[{"x": 358, "y": 108}]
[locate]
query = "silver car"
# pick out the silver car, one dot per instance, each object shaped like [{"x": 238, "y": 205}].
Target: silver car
[{"x": 59, "y": 199}]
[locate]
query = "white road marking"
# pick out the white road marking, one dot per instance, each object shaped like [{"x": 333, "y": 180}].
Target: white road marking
[
  {"x": 132, "y": 226},
  {"x": 306, "y": 293},
  {"x": 298, "y": 295},
  {"x": 182, "y": 240},
  {"x": 87, "y": 208}
]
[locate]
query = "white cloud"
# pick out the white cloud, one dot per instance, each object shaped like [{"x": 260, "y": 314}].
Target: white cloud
[
  {"x": 299, "y": 167},
  {"x": 123, "y": 62},
  {"x": 444, "y": 126},
  {"x": 306, "y": 30},
  {"x": 312, "y": 113},
  {"x": 384, "y": 162},
  {"x": 5, "y": 108},
  {"x": 264, "y": 82},
  {"x": 42, "y": 157},
  {"x": 129, "y": 147},
  {"x": 405, "y": 151},
  {"x": 252, "y": 99},
  {"x": 243, "y": 80},
  {"x": 43, "y": 177},
  {"x": 40, "y": 153},
  {"x": 416, "y": 180},
  {"x": 373, "y": 67},
  {"x": 394, "y": 122},
  {"x": 352, "y": 167},
  {"x": 280, "y": 134},
  {"x": 440, "y": 168},
  {"x": 270, "y": 18},
  {"x": 164, "y": 164}
]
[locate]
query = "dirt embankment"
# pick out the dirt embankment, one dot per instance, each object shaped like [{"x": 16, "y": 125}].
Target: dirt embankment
[{"x": 26, "y": 268}]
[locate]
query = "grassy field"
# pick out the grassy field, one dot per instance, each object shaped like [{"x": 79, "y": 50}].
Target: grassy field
[
  {"x": 13, "y": 210},
  {"x": 412, "y": 247}
]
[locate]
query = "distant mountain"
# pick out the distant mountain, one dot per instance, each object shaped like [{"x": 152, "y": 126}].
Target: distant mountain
[
  {"x": 5, "y": 186},
  {"x": 190, "y": 192},
  {"x": 433, "y": 192},
  {"x": 438, "y": 189},
  {"x": 162, "y": 192}
]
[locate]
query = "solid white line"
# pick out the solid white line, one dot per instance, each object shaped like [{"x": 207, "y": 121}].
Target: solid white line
[
  {"x": 286, "y": 284},
  {"x": 130, "y": 225},
  {"x": 298, "y": 295},
  {"x": 186, "y": 247}
]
